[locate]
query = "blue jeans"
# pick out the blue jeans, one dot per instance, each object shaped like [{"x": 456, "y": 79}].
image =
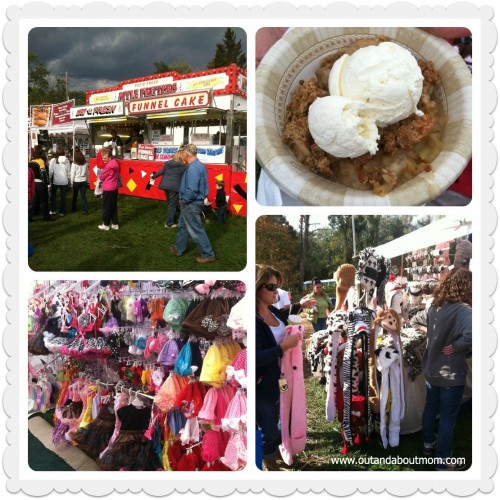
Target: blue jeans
[
  {"x": 221, "y": 214},
  {"x": 79, "y": 187},
  {"x": 267, "y": 418},
  {"x": 172, "y": 207},
  {"x": 320, "y": 324},
  {"x": 62, "y": 205},
  {"x": 190, "y": 226},
  {"x": 446, "y": 402}
]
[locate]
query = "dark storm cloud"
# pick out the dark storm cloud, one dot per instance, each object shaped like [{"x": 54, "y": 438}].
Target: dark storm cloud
[{"x": 100, "y": 57}]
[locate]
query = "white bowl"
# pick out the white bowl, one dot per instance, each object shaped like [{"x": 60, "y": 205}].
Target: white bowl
[{"x": 298, "y": 54}]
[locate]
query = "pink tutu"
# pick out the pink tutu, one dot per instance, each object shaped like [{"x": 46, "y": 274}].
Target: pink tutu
[{"x": 171, "y": 387}]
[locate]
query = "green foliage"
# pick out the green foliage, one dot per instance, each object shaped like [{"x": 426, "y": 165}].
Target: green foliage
[
  {"x": 228, "y": 52},
  {"x": 73, "y": 242},
  {"x": 276, "y": 245},
  {"x": 38, "y": 81},
  {"x": 180, "y": 67},
  {"x": 45, "y": 89},
  {"x": 328, "y": 247}
]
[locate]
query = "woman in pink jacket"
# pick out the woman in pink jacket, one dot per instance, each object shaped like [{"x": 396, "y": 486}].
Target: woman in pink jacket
[{"x": 109, "y": 179}]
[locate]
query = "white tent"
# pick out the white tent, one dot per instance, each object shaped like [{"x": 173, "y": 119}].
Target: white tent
[{"x": 446, "y": 229}]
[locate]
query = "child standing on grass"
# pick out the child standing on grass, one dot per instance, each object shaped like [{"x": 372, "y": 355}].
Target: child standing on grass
[{"x": 221, "y": 202}]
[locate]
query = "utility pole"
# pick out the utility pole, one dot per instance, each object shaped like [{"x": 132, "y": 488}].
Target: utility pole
[{"x": 67, "y": 93}]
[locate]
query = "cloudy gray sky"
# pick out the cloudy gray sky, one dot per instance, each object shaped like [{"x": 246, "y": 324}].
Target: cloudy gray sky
[{"x": 95, "y": 58}]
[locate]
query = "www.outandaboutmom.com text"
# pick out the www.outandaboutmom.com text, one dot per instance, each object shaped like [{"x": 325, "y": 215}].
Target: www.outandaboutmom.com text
[{"x": 370, "y": 460}]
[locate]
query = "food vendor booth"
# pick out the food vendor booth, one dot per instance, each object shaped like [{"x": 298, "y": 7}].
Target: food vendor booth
[
  {"x": 50, "y": 125},
  {"x": 154, "y": 115}
]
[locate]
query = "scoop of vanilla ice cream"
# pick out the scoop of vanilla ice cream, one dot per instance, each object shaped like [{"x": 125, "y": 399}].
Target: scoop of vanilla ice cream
[
  {"x": 385, "y": 77},
  {"x": 339, "y": 127}
]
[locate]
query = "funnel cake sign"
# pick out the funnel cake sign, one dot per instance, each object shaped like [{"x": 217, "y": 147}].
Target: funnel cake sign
[
  {"x": 176, "y": 102},
  {"x": 96, "y": 111}
]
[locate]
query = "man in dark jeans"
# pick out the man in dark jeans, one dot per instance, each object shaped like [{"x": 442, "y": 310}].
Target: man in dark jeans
[{"x": 192, "y": 193}]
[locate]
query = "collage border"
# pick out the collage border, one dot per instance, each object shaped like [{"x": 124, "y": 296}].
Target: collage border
[{"x": 337, "y": 484}]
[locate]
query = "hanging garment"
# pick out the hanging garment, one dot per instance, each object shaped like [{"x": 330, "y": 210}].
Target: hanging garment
[
  {"x": 293, "y": 401},
  {"x": 367, "y": 274},
  {"x": 359, "y": 323},
  {"x": 191, "y": 432},
  {"x": 337, "y": 329},
  {"x": 389, "y": 364},
  {"x": 217, "y": 358},
  {"x": 166, "y": 396},
  {"x": 236, "y": 414},
  {"x": 94, "y": 438},
  {"x": 131, "y": 450},
  {"x": 235, "y": 454}
]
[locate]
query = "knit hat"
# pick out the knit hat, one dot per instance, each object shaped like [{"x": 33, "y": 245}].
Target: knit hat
[
  {"x": 463, "y": 254},
  {"x": 175, "y": 312},
  {"x": 183, "y": 363},
  {"x": 169, "y": 353}
]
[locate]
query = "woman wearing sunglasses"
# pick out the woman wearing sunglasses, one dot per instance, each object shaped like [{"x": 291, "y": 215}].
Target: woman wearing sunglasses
[{"x": 271, "y": 343}]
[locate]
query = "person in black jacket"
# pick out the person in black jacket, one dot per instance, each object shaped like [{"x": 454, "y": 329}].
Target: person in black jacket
[
  {"x": 172, "y": 172},
  {"x": 221, "y": 202},
  {"x": 271, "y": 343}
]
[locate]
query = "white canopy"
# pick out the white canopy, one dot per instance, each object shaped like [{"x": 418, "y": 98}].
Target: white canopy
[
  {"x": 66, "y": 128},
  {"x": 446, "y": 229}
]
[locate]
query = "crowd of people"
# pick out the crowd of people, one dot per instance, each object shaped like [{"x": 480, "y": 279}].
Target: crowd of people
[
  {"x": 184, "y": 180},
  {"x": 447, "y": 322}
]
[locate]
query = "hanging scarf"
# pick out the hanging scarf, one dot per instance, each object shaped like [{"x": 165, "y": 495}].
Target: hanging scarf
[{"x": 358, "y": 330}]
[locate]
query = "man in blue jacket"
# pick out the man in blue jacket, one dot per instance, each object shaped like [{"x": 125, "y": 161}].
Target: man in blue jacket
[{"x": 192, "y": 193}]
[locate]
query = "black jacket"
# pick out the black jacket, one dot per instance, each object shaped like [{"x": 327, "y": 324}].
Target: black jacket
[
  {"x": 220, "y": 198},
  {"x": 172, "y": 172},
  {"x": 268, "y": 354}
]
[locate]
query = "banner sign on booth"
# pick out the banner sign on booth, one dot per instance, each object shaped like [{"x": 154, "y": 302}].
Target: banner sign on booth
[
  {"x": 40, "y": 115},
  {"x": 165, "y": 153},
  {"x": 169, "y": 103},
  {"x": 146, "y": 152},
  {"x": 97, "y": 111},
  {"x": 212, "y": 154},
  {"x": 200, "y": 139},
  {"x": 206, "y": 154},
  {"x": 61, "y": 113}
]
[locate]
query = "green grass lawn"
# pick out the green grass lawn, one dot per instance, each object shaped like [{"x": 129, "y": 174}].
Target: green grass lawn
[
  {"x": 324, "y": 440},
  {"x": 74, "y": 243}
]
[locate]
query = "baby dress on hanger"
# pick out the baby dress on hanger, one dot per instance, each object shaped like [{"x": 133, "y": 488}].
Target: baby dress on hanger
[
  {"x": 130, "y": 450},
  {"x": 94, "y": 438}
]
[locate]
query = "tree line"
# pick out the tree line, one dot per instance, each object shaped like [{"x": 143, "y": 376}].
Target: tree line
[
  {"x": 44, "y": 88},
  {"x": 307, "y": 251}
]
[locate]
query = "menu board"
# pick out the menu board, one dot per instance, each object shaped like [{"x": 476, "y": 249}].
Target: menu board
[{"x": 146, "y": 152}]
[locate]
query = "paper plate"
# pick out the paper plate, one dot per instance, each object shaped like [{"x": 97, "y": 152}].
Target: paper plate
[{"x": 297, "y": 55}]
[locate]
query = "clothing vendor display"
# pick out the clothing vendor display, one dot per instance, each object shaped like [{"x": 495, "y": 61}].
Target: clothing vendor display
[
  {"x": 389, "y": 363},
  {"x": 142, "y": 375},
  {"x": 371, "y": 354}
]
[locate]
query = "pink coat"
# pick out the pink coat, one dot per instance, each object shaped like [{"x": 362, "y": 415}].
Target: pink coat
[
  {"x": 293, "y": 402},
  {"x": 109, "y": 175}
]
